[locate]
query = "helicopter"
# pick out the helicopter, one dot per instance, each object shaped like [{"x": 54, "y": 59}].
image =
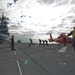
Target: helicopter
[{"x": 61, "y": 39}]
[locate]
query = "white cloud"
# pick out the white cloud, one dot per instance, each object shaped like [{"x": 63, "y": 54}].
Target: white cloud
[{"x": 39, "y": 19}]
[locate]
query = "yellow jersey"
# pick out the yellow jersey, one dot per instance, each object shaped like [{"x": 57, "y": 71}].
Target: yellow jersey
[{"x": 73, "y": 34}]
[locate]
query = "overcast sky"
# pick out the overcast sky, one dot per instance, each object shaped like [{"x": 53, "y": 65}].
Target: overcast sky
[{"x": 33, "y": 18}]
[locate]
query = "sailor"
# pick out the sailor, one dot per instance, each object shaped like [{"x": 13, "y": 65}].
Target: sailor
[
  {"x": 40, "y": 42},
  {"x": 46, "y": 42},
  {"x": 43, "y": 42},
  {"x": 31, "y": 42},
  {"x": 12, "y": 43},
  {"x": 73, "y": 36}
]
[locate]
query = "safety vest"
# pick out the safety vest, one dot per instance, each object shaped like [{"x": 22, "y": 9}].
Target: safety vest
[{"x": 73, "y": 34}]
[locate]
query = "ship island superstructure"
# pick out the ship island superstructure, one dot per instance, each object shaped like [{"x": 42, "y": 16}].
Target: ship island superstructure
[
  {"x": 4, "y": 34},
  {"x": 3, "y": 25}
]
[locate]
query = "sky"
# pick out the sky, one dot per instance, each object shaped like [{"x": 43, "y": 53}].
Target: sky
[{"x": 36, "y": 19}]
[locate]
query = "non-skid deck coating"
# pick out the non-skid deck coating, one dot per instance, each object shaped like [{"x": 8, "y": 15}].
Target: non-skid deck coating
[{"x": 35, "y": 60}]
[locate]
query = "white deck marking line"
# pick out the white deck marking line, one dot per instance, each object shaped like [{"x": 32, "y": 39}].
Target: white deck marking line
[
  {"x": 49, "y": 51},
  {"x": 40, "y": 54},
  {"x": 62, "y": 63},
  {"x": 19, "y": 67},
  {"x": 63, "y": 49},
  {"x": 15, "y": 52}
]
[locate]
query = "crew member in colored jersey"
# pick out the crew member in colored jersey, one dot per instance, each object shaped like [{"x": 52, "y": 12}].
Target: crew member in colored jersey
[{"x": 73, "y": 36}]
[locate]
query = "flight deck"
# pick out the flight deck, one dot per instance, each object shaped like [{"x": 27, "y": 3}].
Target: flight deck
[{"x": 44, "y": 60}]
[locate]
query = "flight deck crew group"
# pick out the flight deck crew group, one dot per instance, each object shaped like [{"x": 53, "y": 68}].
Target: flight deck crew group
[{"x": 41, "y": 42}]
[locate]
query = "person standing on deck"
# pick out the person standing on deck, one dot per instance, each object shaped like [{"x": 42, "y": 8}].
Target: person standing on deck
[
  {"x": 73, "y": 36},
  {"x": 12, "y": 43}
]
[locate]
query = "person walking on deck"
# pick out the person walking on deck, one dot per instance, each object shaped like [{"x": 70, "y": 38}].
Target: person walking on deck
[
  {"x": 43, "y": 42},
  {"x": 40, "y": 42},
  {"x": 31, "y": 42},
  {"x": 46, "y": 42}
]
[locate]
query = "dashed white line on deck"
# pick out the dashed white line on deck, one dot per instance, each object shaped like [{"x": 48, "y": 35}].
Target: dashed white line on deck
[
  {"x": 15, "y": 52},
  {"x": 63, "y": 49},
  {"x": 19, "y": 67}
]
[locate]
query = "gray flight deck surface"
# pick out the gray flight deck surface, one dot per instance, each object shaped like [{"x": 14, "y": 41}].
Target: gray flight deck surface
[{"x": 35, "y": 60}]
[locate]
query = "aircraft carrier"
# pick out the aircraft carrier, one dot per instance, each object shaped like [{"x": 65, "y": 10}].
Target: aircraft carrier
[
  {"x": 53, "y": 59},
  {"x": 4, "y": 34}
]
